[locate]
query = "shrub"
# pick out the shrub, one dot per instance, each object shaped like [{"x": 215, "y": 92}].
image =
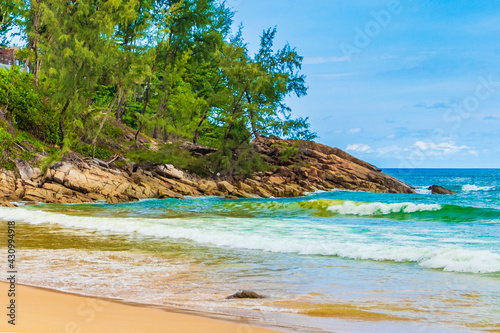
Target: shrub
[
  {"x": 6, "y": 141},
  {"x": 101, "y": 152},
  {"x": 112, "y": 131},
  {"x": 26, "y": 107},
  {"x": 168, "y": 154}
]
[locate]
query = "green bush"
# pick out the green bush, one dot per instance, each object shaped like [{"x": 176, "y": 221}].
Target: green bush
[
  {"x": 112, "y": 131},
  {"x": 101, "y": 152},
  {"x": 170, "y": 154},
  {"x": 26, "y": 107},
  {"x": 6, "y": 141}
]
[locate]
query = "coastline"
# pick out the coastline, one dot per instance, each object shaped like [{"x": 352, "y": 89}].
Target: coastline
[
  {"x": 76, "y": 179},
  {"x": 41, "y": 310},
  {"x": 71, "y": 259}
]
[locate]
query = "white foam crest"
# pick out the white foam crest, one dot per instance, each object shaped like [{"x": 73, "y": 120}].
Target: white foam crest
[
  {"x": 475, "y": 188},
  {"x": 380, "y": 208},
  {"x": 423, "y": 190},
  {"x": 462, "y": 260},
  {"x": 447, "y": 258}
]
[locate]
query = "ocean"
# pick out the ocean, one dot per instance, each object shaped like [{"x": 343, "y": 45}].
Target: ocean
[{"x": 339, "y": 261}]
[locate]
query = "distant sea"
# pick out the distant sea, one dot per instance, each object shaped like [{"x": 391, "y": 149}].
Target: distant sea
[{"x": 340, "y": 261}]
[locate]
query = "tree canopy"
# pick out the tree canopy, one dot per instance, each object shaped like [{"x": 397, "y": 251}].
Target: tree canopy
[{"x": 170, "y": 69}]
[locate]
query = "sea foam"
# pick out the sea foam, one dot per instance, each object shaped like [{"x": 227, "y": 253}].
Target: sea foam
[
  {"x": 380, "y": 208},
  {"x": 475, "y": 188},
  {"x": 228, "y": 234}
]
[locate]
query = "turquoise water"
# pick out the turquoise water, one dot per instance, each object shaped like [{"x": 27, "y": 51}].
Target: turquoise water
[{"x": 337, "y": 261}]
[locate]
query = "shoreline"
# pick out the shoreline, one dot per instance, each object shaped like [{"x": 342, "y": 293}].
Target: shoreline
[
  {"x": 76, "y": 179},
  {"x": 44, "y": 310}
]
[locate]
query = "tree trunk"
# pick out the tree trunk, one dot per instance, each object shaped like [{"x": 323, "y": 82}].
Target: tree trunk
[
  {"x": 254, "y": 129},
  {"x": 94, "y": 141},
  {"x": 119, "y": 110},
  {"x": 155, "y": 132},
  {"x": 33, "y": 43},
  {"x": 89, "y": 102},
  {"x": 197, "y": 131},
  {"x": 146, "y": 97},
  {"x": 124, "y": 109},
  {"x": 62, "y": 126},
  {"x": 252, "y": 117},
  {"x": 148, "y": 84},
  {"x": 165, "y": 133}
]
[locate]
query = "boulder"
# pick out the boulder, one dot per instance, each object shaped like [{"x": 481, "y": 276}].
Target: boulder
[
  {"x": 245, "y": 294},
  {"x": 262, "y": 192},
  {"x": 277, "y": 180},
  {"x": 436, "y": 189},
  {"x": 25, "y": 170},
  {"x": 207, "y": 187},
  {"x": 244, "y": 187},
  {"x": 224, "y": 186},
  {"x": 169, "y": 171}
]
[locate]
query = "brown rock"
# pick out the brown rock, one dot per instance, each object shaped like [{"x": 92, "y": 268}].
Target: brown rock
[
  {"x": 169, "y": 171},
  {"x": 253, "y": 183},
  {"x": 285, "y": 172},
  {"x": 245, "y": 294},
  {"x": 58, "y": 177},
  {"x": 243, "y": 194},
  {"x": 112, "y": 200},
  {"x": 224, "y": 186},
  {"x": 262, "y": 192},
  {"x": 244, "y": 187},
  {"x": 169, "y": 194},
  {"x": 7, "y": 204},
  {"x": 440, "y": 190},
  {"x": 277, "y": 180}
]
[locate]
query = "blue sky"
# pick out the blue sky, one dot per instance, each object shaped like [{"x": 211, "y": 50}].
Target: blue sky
[{"x": 396, "y": 83}]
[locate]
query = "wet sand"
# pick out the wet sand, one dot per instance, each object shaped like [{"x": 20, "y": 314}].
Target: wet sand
[{"x": 41, "y": 310}]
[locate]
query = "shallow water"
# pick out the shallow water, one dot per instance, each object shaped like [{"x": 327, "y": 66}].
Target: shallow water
[{"x": 338, "y": 261}]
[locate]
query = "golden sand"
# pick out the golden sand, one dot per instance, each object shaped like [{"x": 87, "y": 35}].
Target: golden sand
[{"x": 46, "y": 311}]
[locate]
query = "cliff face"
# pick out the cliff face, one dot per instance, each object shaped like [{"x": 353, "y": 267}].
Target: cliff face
[{"x": 297, "y": 167}]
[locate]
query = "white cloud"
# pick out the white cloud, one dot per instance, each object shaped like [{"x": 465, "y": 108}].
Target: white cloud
[
  {"x": 426, "y": 148},
  {"x": 443, "y": 148},
  {"x": 323, "y": 60},
  {"x": 354, "y": 130},
  {"x": 391, "y": 150},
  {"x": 359, "y": 147}
]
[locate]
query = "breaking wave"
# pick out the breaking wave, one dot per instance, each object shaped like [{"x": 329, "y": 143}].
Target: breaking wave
[
  {"x": 475, "y": 188},
  {"x": 284, "y": 236}
]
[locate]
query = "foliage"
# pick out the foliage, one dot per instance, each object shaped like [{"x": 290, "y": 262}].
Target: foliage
[
  {"x": 170, "y": 70},
  {"x": 26, "y": 107},
  {"x": 101, "y": 152},
  {"x": 6, "y": 141},
  {"x": 112, "y": 131},
  {"x": 288, "y": 153},
  {"x": 53, "y": 155},
  {"x": 168, "y": 154}
]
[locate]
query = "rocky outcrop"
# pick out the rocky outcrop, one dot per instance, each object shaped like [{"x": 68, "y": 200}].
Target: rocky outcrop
[
  {"x": 314, "y": 166},
  {"x": 436, "y": 189},
  {"x": 297, "y": 167}
]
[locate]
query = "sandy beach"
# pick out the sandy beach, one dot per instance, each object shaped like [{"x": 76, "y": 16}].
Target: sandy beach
[{"x": 41, "y": 310}]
